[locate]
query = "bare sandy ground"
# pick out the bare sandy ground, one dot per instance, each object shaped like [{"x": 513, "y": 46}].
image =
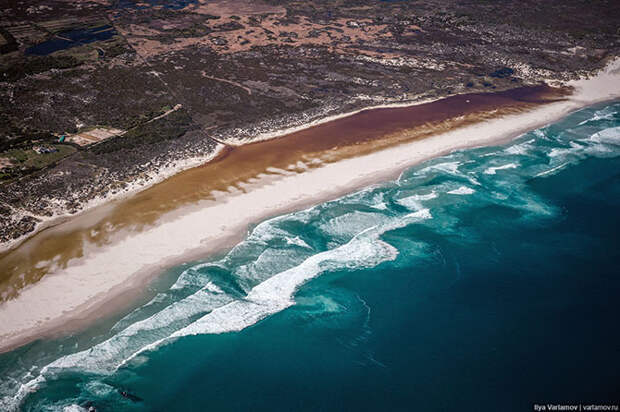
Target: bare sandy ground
[{"x": 106, "y": 275}]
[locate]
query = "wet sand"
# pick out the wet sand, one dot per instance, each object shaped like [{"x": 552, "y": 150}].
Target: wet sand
[
  {"x": 66, "y": 275},
  {"x": 240, "y": 168}
]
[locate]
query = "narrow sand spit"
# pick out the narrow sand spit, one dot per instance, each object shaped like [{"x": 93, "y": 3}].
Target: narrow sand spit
[{"x": 67, "y": 275}]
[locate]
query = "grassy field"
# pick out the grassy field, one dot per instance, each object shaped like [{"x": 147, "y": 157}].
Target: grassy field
[{"x": 28, "y": 158}]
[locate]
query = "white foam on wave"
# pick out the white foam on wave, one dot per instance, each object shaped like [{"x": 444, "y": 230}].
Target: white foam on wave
[
  {"x": 600, "y": 144},
  {"x": 297, "y": 241},
  {"x": 463, "y": 190},
  {"x": 192, "y": 276},
  {"x": 367, "y": 197},
  {"x": 73, "y": 408},
  {"x": 380, "y": 206},
  {"x": 604, "y": 114},
  {"x": 98, "y": 388},
  {"x": 107, "y": 270},
  {"x": 562, "y": 152},
  {"x": 451, "y": 168},
  {"x": 104, "y": 357},
  {"x": 610, "y": 136},
  {"x": 520, "y": 149},
  {"x": 270, "y": 261},
  {"x": 213, "y": 288},
  {"x": 275, "y": 294},
  {"x": 347, "y": 225},
  {"x": 52, "y": 298},
  {"x": 540, "y": 134},
  {"x": 268, "y": 230},
  {"x": 366, "y": 249},
  {"x": 447, "y": 167},
  {"x": 494, "y": 169},
  {"x": 414, "y": 202},
  {"x": 551, "y": 171},
  {"x": 12, "y": 403}
]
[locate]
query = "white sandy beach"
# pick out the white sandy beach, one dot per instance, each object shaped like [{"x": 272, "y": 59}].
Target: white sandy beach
[
  {"x": 152, "y": 178},
  {"x": 81, "y": 289}
]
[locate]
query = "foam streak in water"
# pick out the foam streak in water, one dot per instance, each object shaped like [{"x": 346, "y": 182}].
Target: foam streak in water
[{"x": 276, "y": 293}]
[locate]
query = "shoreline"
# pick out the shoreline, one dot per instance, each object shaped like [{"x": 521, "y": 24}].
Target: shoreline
[
  {"x": 242, "y": 168},
  {"x": 179, "y": 166},
  {"x": 261, "y": 137},
  {"x": 269, "y": 196}
]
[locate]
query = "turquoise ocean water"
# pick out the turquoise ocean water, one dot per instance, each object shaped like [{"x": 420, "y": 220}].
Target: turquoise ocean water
[{"x": 487, "y": 279}]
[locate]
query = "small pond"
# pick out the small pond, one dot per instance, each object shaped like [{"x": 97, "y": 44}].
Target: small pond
[{"x": 71, "y": 38}]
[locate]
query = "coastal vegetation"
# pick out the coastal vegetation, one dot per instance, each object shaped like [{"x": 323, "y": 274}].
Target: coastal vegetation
[{"x": 249, "y": 70}]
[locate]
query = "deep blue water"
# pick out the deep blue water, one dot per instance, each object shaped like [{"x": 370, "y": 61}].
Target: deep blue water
[
  {"x": 71, "y": 38},
  {"x": 483, "y": 280}
]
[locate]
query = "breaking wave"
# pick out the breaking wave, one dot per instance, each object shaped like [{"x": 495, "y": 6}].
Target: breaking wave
[{"x": 261, "y": 275}]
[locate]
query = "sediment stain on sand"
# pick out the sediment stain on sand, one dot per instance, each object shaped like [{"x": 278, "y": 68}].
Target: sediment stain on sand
[{"x": 239, "y": 169}]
